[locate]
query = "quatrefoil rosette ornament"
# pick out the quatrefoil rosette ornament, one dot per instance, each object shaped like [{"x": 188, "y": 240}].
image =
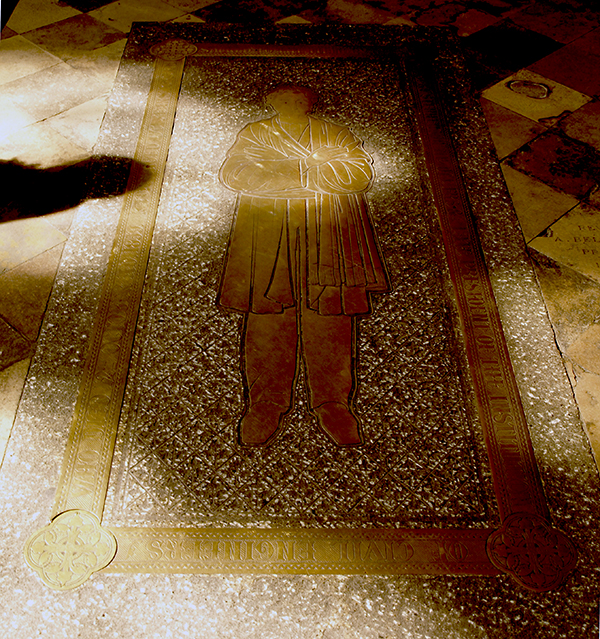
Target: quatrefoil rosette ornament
[
  {"x": 538, "y": 556},
  {"x": 67, "y": 551}
]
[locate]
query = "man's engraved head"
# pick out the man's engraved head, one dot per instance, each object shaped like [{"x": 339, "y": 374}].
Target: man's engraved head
[{"x": 289, "y": 99}]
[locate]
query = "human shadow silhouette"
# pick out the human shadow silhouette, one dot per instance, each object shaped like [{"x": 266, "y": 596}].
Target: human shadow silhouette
[{"x": 29, "y": 191}]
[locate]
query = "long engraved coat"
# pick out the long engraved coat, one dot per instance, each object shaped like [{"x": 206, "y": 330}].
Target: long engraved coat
[{"x": 299, "y": 231}]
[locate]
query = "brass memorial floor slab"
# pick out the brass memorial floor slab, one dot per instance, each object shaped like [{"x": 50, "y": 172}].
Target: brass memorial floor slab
[{"x": 304, "y": 350}]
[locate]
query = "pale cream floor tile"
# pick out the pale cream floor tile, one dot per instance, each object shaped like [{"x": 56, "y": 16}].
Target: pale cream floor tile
[
  {"x": 121, "y": 14},
  {"x": 20, "y": 58},
  {"x": 41, "y": 145},
  {"x": 51, "y": 91},
  {"x": 537, "y": 205},
  {"x": 81, "y": 124},
  {"x": 574, "y": 240},
  {"x": 587, "y": 393},
  {"x": 188, "y": 18},
  {"x": 12, "y": 118},
  {"x": 585, "y": 350},
  {"x": 22, "y": 240},
  {"x": 190, "y": 5},
  {"x": 293, "y": 20},
  {"x": 559, "y": 97},
  {"x": 100, "y": 65},
  {"x": 12, "y": 380},
  {"x": 24, "y": 291},
  {"x": 32, "y": 14},
  {"x": 401, "y": 20}
]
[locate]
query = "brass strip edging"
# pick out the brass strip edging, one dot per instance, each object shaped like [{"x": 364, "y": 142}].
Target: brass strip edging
[
  {"x": 516, "y": 480},
  {"x": 86, "y": 467},
  {"x": 302, "y": 551}
]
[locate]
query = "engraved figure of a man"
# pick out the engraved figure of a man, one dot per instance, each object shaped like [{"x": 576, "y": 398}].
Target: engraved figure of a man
[{"x": 301, "y": 261}]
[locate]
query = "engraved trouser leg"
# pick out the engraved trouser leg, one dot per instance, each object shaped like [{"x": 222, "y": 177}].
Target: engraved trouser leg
[
  {"x": 327, "y": 348},
  {"x": 270, "y": 344}
]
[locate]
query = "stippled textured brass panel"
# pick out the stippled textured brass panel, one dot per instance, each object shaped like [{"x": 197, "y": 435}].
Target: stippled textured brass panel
[{"x": 182, "y": 461}]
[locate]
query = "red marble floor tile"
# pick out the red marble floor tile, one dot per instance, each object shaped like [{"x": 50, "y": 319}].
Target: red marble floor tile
[
  {"x": 561, "y": 24},
  {"x": 497, "y": 51},
  {"x": 561, "y": 162},
  {"x": 472, "y": 21},
  {"x": 257, "y": 10},
  {"x": 576, "y": 65},
  {"x": 584, "y": 124},
  {"x": 7, "y": 32},
  {"x": 440, "y": 16},
  {"x": 509, "y": 130}
]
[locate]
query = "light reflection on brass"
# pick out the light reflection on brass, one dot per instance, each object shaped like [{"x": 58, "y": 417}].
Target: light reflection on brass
[{"x": 300, "y": 263}]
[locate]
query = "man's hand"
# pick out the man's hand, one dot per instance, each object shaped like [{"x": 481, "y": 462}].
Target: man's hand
[{"x": 326, "y": 154}]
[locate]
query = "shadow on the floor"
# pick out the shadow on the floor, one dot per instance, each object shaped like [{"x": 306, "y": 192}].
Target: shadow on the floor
[{"x": 28, "y": 191}]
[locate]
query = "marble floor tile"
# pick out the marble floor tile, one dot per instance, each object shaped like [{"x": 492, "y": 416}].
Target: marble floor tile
[
  {"x": 255, "y": 11},
  {"x": 13, "y": 346},
  {"x": 537, "y": 205},
  {"x": 51, "y": 91},
  {"x": 507, "y": 47},
  {"x": 189, "y": 17},
  {"x": 22, "y": 240},
  {"x": 12, "y": 118},
  {"x": 81, "y": 124},
  {"x": 121, "y": 14},
  {"x": 190, "y": 5},
  {"x": 575, "y": 65},
  {"x": 293, "y": 20},
  {"x": 100, "y": 65},
  {"x": 24, "y": 291},
  {"x": 572, "y": 299},
  {"x": 356, "y": 12},
  {"x": 574, "y": 240},
  {"x": 584, "y": 124},
  {"x": 585, "y": 350},
  {"x": 74, "y": 36},
  {"x": 86, "y": 6},
  {"x": 563, "y": 24},
  {"x": 19, "y": 57},
  {"x": 535, "y": 96},
  {"x": 509, "y": 130},
  {"x": 559, "y": 161},
  {"x": 31, "y": 14},
  {"x": 6, "y": 33},
  {"x": 586, "y": 387},
  {"x": 41, "y": 145},
  {"x": 472, "y": 21},
  {"x": 441, "y": 15},
  {"x": 11, "y": 387}
]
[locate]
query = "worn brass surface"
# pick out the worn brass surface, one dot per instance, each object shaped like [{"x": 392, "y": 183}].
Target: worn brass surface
[{"x": 87, "y": 463}]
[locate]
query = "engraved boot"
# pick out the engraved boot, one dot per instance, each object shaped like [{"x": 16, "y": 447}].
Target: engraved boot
[
  {"x": 260, "y": 423},
  {"x": 336, "y": 419}
]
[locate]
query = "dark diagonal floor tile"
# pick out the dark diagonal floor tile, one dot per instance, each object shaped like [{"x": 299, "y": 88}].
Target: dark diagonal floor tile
[
  {"x": 441, "y": 15},
  {"x": 502, "y": 48},
  {"x": 561, "y": 162},
  {"x": 576, "y": 65},
  {"x": 562, "y": 24},
  {"x": 256, "y": 10},
  {"x": 7, "y": 32},
  {"x": 86, "y": 5},
  {"x": 13, "y": 346},
  {"x": 72, "y": 36}
]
